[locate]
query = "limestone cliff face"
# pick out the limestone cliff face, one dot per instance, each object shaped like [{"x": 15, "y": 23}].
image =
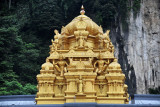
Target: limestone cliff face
[{"x": 138, "y": 48}]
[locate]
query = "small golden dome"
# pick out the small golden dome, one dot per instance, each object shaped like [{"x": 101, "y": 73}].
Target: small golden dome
[
  {"x": 90, "y": 26},
  {"x": 47, "y": 65},
  {"x": 114, "y": 65}
]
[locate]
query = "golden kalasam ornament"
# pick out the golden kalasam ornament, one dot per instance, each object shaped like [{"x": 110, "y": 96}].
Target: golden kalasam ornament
[{"x": 81, "y": 67}]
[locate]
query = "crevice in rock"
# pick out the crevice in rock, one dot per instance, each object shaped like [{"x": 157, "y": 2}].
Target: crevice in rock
[{"x": 152, "y": 74}]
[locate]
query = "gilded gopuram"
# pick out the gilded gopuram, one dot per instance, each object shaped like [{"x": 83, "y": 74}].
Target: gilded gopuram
[{"x": 81, "y": 67}]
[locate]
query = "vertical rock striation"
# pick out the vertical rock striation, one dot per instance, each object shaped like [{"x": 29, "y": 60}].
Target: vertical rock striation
[{"x": 138, "y": 48}]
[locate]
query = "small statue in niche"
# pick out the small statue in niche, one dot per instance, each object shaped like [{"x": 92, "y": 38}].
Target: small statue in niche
[
  {"x": 107, "y": 42},
  {"x": 106, "y": 39},
  {"x": 54, "y": 45},
  {"x": 81, "y": 40},
  {"x": 100, "y": 38},
  {"x": 80, "y": 85},
  {"x": 101, "y": 86},
  {"x": 100, "y": 43},
  {"x": 102, "y": 64},
  {"x": 56, "y": 41},
  {"x": 70, "y": 60},
  {"x": 61, "y": 65},
  {"x": 57, "y": 36},
  {"x": 60, "y": 86}
]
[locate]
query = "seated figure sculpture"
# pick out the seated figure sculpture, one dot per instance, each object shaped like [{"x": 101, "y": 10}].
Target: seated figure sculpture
[
  {"x": 61, "y": 65},
  {"x": 102, "y": 64}
]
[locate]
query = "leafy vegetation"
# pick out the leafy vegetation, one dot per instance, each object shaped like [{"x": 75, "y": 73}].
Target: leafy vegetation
[
  {"x": 136, "y": 6},
  {"x": 27, "y": 27},
  {"x": 154, "y": 91}
]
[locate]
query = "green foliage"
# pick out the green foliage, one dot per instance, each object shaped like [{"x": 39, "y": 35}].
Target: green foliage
[
  {"x": 19, "y": 57},
  {"x": 136, "y": 6},
  {"x": 154, "y": 91},
  {"x": 15, "y": 88},
  {"x": 107, "y": 13},
  {"x": 30, "y": 89}
]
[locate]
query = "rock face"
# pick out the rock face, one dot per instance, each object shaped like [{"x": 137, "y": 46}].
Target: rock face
[{"x": 138, "y": 48}]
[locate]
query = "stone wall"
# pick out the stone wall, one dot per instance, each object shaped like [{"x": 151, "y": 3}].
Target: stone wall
[{"x": 138, "y": 47}]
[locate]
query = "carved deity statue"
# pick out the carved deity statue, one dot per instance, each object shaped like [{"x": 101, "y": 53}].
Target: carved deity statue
[
  {"x": 81, "y": 41},
  {"x": 101, "y": 65},
  {"x": 56, "y": 43},
  {"x": 60, "y": 86},
  {"x": 106, "y": 40},
  {"x": 100, "y": 43},
  {"x": 80, "y": 85},
  {"x": 101, "y": 86},
  {"x": 61, "y": 65},
  {"x": 57, "y": 36},
  {"x": 70, "y": 60}
]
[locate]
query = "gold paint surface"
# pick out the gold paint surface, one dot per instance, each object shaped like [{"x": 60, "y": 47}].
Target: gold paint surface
[{"x": 81, "y": 67}]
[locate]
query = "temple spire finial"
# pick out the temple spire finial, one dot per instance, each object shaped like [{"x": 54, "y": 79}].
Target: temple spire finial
[{"x": 82, "y": 10}]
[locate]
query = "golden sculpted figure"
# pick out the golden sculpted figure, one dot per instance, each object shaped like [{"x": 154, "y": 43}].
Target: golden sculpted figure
[
  {"x": 102, "y": 64},
  {"x": 81, "y": 67},
  {"x": 61, "y": 65},
  {"x": 81, "y": 41}
]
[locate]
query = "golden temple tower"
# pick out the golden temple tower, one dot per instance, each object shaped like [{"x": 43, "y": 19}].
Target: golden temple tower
[{"x": 81, "y": 67}]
